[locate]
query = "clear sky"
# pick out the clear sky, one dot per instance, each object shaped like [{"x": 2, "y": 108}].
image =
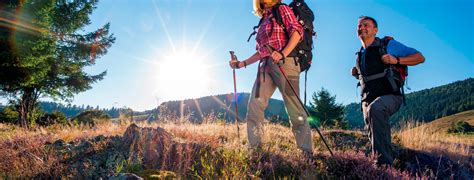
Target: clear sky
[{"x": 175, "y": 49}]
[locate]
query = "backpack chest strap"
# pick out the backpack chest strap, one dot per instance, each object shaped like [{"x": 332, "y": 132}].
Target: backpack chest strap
[{"x": 387, "y": 73}]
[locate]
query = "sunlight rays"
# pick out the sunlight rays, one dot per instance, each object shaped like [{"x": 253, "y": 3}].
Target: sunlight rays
[
  {"x": 183, "y": 68},
  {"x": 204, "y": 31},
  {"x": 19, "y": 22},
  {"x": 163, "y": 25}
]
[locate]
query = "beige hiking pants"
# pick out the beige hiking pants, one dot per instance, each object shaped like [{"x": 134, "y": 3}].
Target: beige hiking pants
[{"x": 269, "y": 79}]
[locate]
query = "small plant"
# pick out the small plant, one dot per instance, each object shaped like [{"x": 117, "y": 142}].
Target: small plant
[
  {"x": 134, "y": 167},
  {"x": 461, "y": 127},
  {"x": 229, "y": 163},
  {"x": 119, "y": 166}
]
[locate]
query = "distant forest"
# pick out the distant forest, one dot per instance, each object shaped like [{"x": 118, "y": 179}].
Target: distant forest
[
  {"x": 73, "y": 110},
  {"x": 425, "y": 105}
]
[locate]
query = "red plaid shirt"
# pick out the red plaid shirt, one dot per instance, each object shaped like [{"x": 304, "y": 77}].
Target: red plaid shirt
[{"x": 278, "y": 39}]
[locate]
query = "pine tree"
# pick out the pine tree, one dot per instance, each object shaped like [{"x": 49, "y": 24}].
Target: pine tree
[
  {"x": 45, "y": 54},
  {"x": 324, "y": 107}
]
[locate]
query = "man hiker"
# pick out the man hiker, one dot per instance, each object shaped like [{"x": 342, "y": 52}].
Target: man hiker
[
  {"x": 381, "y": 69},
  {"x": 269, "y": 77}
]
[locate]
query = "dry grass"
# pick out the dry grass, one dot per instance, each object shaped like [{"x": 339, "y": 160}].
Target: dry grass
[
  {"x": 435, "y": 140},
  {"x": 280, "y": 147},
  {"x": 66, "y": 133}
]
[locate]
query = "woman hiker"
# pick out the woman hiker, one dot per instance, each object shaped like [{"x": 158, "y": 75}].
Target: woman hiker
[{"x": 273, "y": 49}]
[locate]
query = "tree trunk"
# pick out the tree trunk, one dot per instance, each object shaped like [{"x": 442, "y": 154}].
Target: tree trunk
[
  {"x": 23, "y": 110},
  {"x": 26, "y": 105}
]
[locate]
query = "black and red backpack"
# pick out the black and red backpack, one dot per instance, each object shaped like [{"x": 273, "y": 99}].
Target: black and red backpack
[
  {"x": 402, "y": 69},
  {"x": 305, "y": 16}
]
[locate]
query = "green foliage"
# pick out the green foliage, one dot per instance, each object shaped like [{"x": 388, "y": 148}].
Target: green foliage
[
  {"x": 438, "y": 102},
  {"x": 47, "y": 57},
  {"x": 9, "y": 115},
  {"x": 461, "y": 127},
  {"x": 236, "y": 163},
  {"x": 127, "y": 166},
  {"x": 323, "y": 107},
  {"x": 426, "y": 105},
  {"x": 119, "y": 166},
  {"x": 91, "y": 117},
  {"x": 134, "y": 168},
  {"x": 222, "y": 163},
  {"x": 157, "y": 174},
  {"x": 52, "y": 118},
  {"x": 353, "y": 114}
]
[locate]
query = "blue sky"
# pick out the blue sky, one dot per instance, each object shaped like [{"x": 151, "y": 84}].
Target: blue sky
[{"x": 149, "y": 32}]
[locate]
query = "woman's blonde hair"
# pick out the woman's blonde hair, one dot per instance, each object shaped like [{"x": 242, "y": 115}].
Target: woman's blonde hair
[{"x": 257, "y": 9}]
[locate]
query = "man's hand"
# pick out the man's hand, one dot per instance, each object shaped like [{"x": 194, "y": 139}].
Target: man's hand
[
  {"x": 234, "y": 64},
  {"x": 355, "y": 73},
  {"x": 389, "y": 59}
]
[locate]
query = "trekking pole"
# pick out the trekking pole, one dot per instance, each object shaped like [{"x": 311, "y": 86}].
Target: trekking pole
[
  {"x": 234, "y": 57},
  {"x": 299, "y": 100}
]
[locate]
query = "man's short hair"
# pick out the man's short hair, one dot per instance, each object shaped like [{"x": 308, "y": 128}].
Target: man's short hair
[{"x": 369, "y": 18}]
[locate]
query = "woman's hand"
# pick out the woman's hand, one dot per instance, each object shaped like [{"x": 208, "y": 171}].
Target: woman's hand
[
  {"x": 276, "y": 57},
  {"x": 235, "y": 64}
]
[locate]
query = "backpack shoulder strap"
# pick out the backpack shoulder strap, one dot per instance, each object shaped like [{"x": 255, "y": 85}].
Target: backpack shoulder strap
[
  {"x": 276, "y": 13},
  {"x": 278, "y": 18},
  {"x": 383, "y": 44},
  {"x": 255, "y": 29},
  {"x": 386, "y": 39}
]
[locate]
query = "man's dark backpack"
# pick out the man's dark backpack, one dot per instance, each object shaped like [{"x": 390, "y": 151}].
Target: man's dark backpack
[{"x": 396, "y": 74}]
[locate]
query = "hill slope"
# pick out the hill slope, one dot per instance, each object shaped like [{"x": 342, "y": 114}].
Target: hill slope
[
  {"x": 433, "y": 137},
  {"x": 441, "y": 125},
  {"x": 222, "y": 107}
]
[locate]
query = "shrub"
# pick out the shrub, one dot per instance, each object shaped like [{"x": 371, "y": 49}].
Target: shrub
[
  {"x": 52, "y": 118},
  {"x": 9, "y": 115},
  {"x": 91, "y": 117},
  {"x": 460, "y": 127}
]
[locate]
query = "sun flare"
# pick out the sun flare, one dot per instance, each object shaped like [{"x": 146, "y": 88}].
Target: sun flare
[{"x": 182, "y": 75}]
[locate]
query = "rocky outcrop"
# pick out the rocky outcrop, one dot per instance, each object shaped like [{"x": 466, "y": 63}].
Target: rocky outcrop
[
  {"x": 138, "y": 149},
  {"x": 156, "y": 149}
]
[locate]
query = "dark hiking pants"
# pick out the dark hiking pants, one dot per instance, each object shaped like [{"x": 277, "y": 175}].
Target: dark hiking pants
[{"x": 376, "y": 117}]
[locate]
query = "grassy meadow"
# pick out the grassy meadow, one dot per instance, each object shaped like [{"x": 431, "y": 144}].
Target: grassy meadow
[{"x": 224, "y": 152}]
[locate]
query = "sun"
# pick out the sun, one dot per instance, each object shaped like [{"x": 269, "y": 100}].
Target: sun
[{"x": 182, "y": 75}]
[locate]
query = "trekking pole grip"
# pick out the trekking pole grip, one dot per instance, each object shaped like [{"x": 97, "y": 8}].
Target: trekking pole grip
[{"x": 234, "y": 57}]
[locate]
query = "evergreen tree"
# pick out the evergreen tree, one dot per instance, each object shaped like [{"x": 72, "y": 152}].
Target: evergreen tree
[
  {"x": 324, "y": 107},
  {"x": 43, "y": 53}
]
